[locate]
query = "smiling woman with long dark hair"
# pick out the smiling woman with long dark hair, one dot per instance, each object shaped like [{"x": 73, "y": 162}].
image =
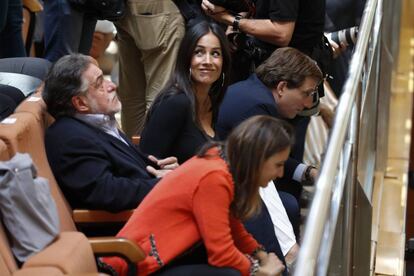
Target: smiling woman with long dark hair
[
  {"x": 198, "y": 208},
  {"x": 182, "y": 117}
]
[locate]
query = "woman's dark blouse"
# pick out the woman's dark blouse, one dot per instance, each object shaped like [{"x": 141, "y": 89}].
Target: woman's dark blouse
[{"x": 171, "y": 131}]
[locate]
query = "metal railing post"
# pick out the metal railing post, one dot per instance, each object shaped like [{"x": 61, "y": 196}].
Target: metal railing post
[{"x": 318, "y": 213}]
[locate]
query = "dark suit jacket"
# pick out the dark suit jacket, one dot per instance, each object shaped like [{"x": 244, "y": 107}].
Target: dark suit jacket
[
  {"x": 94, "y": 169},
  {"x": 246, "y": 99}
]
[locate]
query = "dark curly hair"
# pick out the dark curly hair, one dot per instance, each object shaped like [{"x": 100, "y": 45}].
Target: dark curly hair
[{"x": 65, "y": 81}]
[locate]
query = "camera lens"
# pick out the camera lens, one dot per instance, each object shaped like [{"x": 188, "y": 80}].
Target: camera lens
[{"x": 345, "y": 36}]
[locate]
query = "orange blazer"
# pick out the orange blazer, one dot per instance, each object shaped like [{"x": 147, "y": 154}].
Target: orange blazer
[{"x": 188, "y": 205}]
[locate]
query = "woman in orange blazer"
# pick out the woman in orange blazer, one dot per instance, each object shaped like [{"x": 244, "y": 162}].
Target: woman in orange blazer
[{"x": 204, "y": 201}]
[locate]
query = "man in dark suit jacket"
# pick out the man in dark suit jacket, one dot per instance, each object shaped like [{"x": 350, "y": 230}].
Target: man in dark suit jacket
[
  {"x": 282, "y": 87},
  {"x": 94, "y": 163}
]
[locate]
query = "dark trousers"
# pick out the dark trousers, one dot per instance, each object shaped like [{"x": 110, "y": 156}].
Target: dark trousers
[
  {"x": 11, "y": 19},
  {"x": 7, "y": 104},
  {"x": 300, "y": 124},
  {"x": 199, "y": 270},
  {"x": 261, "y": 226},
  {"x": 194, "y": 262},
  {"x": 66, "y": 30},
  {"x": 285, "y": 184}
]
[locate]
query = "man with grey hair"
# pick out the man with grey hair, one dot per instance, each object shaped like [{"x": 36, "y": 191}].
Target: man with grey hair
[{"x": 95, "y": 164}]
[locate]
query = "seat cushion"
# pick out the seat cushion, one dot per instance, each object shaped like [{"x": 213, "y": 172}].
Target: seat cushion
[
  {"x": 70, "y": 253},
  {"x": 4, "y": 154},
  {"x": 31, "y": 66},
  {"x": 26, "y": 134},
  {"x": 39, "y": 271}
]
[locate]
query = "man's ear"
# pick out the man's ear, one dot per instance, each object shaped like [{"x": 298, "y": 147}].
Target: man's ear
[
  {"x": 80, "y": 103},
  {"x": 281, "y": 88}
]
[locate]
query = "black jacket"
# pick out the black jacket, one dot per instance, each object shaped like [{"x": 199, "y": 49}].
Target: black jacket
[{"x": 94, "y": 169}]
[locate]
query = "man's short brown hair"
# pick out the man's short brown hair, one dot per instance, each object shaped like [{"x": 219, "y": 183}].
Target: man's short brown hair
[{"x": 290, "y": 65}]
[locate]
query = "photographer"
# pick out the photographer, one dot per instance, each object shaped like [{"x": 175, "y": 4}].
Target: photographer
[
  {"x": 342, "y": 16},
  {"x": 295, "y": 23}
]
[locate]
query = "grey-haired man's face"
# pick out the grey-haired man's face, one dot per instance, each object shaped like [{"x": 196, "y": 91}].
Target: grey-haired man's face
[{"x": 101, "y": 97}]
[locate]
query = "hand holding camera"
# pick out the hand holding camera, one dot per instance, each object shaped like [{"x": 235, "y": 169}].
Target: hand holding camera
[
  {"x": 212, "y": 9},
  {"x": 341, "y": 39},
  {"x": 348, "y": 37}
]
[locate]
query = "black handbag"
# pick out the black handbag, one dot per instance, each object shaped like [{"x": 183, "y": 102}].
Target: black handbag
[
  {"x": 235, "y": 6},
  {"x": 112, "y": 10}
]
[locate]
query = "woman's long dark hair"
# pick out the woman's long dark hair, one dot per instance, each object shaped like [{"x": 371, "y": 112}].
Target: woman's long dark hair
[
  {"x": 246, "y": 149},
  {"x": 180, "y": 80}
]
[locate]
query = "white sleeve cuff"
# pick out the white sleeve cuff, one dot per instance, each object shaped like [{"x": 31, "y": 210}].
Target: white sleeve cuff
[{"x": 299, "y": 171}]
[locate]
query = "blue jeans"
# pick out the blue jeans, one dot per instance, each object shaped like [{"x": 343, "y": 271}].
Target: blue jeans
[
  {"x": 66, "y": 30},
  {"x": 11, "y": 19}
]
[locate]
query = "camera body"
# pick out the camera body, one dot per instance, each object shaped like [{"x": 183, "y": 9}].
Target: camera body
[
  {"x": 346, "y": 36},
  {"x": 246, "y": 44}
]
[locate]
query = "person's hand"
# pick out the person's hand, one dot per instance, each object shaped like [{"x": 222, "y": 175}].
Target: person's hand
[
  {"x": 270, "y": 266},
  {"x": 327, "y": 114},
  {"x": 218, "y": 13},
  {"x": 261, "y": 256},
  {"x": 99, "y": 44},
  {"x": 230, "y": 33},
  {"x": 314, "y": 174},
  {"x": 309, "y": 176},
  {"x": 165, "y": 166},
  {"x": 292, "y": 255},
  {"x": 337, "y": 49},
  {"x": 211, "y": 9}
]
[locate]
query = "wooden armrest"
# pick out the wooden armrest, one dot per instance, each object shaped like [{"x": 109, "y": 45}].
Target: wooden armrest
[
  {"x": 110, "y": 246},
  {"x": 33, "y": 5},
  {"x": 96, "y": 216}
]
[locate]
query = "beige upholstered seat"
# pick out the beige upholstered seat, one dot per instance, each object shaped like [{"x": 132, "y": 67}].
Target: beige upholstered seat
[
  {"x": 26, "y": 134},
  {"x": 71, "y": 253},
  {"x": 36, "y": 106},
  {"x": 4, "y": 154}
]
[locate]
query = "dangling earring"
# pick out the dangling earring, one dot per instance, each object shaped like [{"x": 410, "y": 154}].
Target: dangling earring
[
  {"x": 222, "y": 82},
  {"x": 190, "y": 74}
]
